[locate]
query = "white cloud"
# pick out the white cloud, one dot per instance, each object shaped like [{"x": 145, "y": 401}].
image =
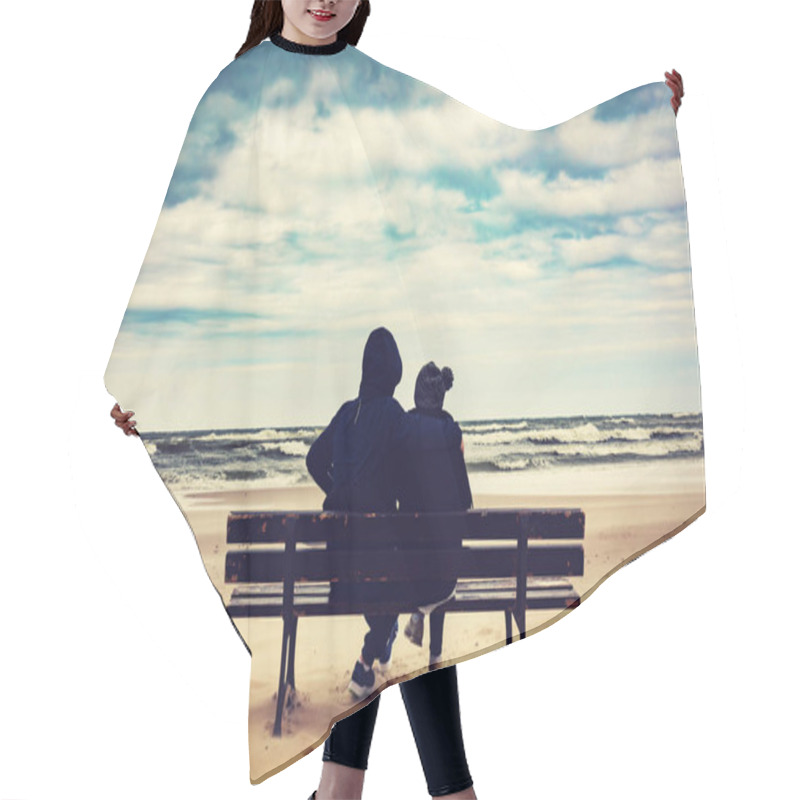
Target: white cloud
[
  {"x": 641, "y": 186},
  {"x": 664, "y": 246},
  {"x": 293, "y": 230},
  {"x": 589, "y": 141}
]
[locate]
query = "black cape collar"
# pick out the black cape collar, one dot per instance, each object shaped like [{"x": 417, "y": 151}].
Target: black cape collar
[{"x": 308, "y": 49}]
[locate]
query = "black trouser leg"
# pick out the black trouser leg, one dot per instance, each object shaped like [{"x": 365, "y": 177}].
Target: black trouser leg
[
  {"x": 380, "y": 626},
  {"x": 436, "y": 625},
  {"x": 351, "y": 738},
  {"x": 434, "y": 713},
  {"x": 433, "y": 710}
]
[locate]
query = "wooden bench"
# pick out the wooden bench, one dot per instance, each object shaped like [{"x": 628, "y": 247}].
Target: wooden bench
[{"x": 509, "y": 560}]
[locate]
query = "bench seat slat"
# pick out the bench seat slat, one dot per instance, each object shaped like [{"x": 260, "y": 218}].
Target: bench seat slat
[
  {"x": 469, "y": 601},
  {"x": 267, "y": 600},
  {"x": 253, "y": 566},
  {"x": 464, "y": 585}
]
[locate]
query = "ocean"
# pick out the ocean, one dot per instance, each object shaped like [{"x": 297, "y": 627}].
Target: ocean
[{"x": 637, "y": 453}]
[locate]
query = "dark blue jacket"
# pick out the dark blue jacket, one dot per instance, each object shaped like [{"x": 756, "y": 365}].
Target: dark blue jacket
[
  {"x": 433, "y": 478},
  {"x": 356, "y": 459},
  {"x": 432, "y": 472}
]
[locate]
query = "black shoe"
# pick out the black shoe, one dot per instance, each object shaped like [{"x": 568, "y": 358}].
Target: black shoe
[{"x": 362, "y": 681}]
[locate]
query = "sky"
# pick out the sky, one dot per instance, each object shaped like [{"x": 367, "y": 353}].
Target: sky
[{"x": 316, "y": 198}]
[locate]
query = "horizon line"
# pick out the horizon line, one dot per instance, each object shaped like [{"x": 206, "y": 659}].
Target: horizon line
[{"x": 460, "y": 421}]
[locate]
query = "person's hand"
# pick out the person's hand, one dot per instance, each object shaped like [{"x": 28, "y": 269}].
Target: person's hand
[
  {"x": 124, "y": 420},
  {"x": 462, "y": 445},
  {"x": 675, "y": 82}
]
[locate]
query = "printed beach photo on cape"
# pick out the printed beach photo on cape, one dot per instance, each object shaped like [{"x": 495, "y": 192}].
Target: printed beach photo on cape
[{"x": 548, "y": 269}]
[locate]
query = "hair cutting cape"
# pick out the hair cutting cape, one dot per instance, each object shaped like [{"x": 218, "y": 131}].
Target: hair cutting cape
[{"x": 331, "y": 227}]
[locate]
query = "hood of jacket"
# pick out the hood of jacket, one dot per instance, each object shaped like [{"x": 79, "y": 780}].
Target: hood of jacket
[{"x": 381, "y": 367}]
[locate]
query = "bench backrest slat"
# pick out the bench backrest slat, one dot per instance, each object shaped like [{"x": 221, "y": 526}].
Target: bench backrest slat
[{"x": 264, "y": 527}]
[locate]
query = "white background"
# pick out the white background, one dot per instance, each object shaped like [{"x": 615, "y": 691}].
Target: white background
[{"x": 121, "y": 676}]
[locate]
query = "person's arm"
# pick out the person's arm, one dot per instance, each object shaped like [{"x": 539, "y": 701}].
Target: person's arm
[
  {"x": 462, "y": 477},
  {"x": 453, "y": 435},
  {"x": 319, "y": 460}
]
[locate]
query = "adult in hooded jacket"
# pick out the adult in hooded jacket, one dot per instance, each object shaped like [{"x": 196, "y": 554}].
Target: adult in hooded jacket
[{"x": 357, "y": 462}]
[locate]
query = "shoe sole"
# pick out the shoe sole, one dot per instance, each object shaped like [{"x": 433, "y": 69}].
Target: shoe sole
[{"x": 360, "y": 692}]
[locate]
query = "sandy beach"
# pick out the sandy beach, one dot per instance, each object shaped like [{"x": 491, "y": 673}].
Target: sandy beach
[{"x": 618, "y": 529}]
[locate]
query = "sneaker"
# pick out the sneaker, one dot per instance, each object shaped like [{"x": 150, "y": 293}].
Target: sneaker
[
  {"x": 415, "y": 628},
  {"x": 385, "y": 661},
  {"x": 436, "y": 661},
  {"x": 362, "y": 681}
]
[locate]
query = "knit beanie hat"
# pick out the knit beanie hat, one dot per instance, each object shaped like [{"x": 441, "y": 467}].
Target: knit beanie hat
[{"x": 432, "y": 383}]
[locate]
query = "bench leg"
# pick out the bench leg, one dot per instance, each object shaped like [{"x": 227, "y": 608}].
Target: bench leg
[
  {"x": 520, "y": 619},
  {"x": 293, "y": 642},
  {"x": 287, "y": 626}
]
